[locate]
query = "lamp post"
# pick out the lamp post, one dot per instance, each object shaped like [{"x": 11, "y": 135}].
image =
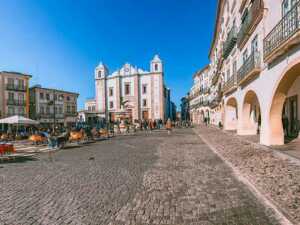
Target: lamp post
[{"x": 52, "y": 103}]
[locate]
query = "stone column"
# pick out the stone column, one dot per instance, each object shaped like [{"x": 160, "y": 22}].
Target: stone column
[{"x": 136, "y": 111}]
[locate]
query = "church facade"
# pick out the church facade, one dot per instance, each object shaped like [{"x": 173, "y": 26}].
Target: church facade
[{"x": 131, "y": 92}]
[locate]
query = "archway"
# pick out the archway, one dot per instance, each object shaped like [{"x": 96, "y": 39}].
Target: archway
[
  {"x": 202, "y": 116},
  {"x": 284, "y": 113},
  {"x": 251, "y": 115},
  {"x": 231, "y": 114}
]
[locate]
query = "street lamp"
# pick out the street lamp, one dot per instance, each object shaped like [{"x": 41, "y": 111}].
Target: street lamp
[{"x": 52, "y": 103}]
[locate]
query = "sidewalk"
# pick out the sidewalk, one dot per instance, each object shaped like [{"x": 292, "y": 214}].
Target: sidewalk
[{"x": 275, "y": 175}]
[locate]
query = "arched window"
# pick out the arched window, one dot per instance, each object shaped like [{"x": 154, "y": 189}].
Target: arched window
[
  {"x": 156, "y": 67},
  {"x": 99, "y": 73}
]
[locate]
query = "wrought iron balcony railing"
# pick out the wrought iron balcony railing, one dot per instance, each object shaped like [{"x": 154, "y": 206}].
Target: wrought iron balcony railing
[
  {"x": 205, "y": 103},
  {"x": 49, "y": 115},
  {"x": 252, "y": 66},
  {"x": 9, "y": 114},
  {"x": 287, "y": 27},
  {"x": 230, "y": 42},
  {"x": 14, "y": 87},
  {"x": 16, "y": 102},
  {"x": 230, "y": 84},
  {"x": 252, "y": 17}
]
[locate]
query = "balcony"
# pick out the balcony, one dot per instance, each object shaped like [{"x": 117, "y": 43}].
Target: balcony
[
  {"x": 230, "y": 85},
  {"x": 16, "y": 102},
  {"x": 206, "y": 90},
  {"x": 251, "y": 19},
  {"x": 205, "y": 103},
  {"x": 283, "y": 36},
  {"x": 230, "y": 42},
  {"x": 49, "y": 116},
  {"x": 250, "y": 68},
  {"x": 215, "y": 102},
  {"x": 71, "y": 114},
  {"x": 14, "y": 87},
  {"x": 196, "y": 105},
  {"x": 9, "y": 114},
  {"x": 215, "y": 78}
]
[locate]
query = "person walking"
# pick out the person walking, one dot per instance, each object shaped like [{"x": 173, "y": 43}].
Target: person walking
[
  {"x": 169, "y": 126},
  {"x": 285, "y": 124}
]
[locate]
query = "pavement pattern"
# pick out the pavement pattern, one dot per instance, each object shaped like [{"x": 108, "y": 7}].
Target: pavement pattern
[{"x": 143, "y": 179}]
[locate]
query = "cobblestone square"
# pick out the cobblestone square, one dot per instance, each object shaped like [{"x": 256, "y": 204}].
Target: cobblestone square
[{"x": 142, "y": 179}]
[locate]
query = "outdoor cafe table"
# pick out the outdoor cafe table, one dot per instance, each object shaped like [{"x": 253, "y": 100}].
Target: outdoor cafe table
[{"x": 6, "y": 148}]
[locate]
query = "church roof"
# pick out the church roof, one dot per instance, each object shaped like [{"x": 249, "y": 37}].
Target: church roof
[
  {"x": 156, "y": 59},
  {"x": 128, "y": 69}
]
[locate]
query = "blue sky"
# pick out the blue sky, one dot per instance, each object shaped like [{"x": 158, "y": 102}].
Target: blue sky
[{"x": 61, "y": 42}]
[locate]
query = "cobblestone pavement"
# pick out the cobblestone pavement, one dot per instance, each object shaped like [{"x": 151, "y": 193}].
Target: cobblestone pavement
[
  {"x": 144, "y": 179},
  {"x": 275, "y": 175}
]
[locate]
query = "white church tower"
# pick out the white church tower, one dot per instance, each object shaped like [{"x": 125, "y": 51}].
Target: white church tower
[
  {"x": 156, "y": 65},
  {"x": 101, "y": 72},
  {"x": 156, "y": 69}
]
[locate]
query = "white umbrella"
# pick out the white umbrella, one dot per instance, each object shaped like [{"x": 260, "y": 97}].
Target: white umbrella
[{"x": 19, "y": 120}]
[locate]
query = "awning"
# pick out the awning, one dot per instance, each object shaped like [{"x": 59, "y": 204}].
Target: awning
[{"x": 19, "y": 120}]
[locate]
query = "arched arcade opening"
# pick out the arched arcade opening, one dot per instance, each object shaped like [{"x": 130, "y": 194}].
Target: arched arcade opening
[
  {"x": 251, "y": 115},
  {"x": 284, "y": 112},
  {"x": 231, "y": 114}
]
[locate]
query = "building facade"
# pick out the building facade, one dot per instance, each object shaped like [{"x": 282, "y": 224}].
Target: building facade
[
  {"x": 185, "y": 108},
  {"x": 51, "y": 106},
  {"x": 89, "y": 115},
  {"x": 199, "y": 96},
  {"x": 131, "y": 92},
  {"x": 255, "y": 68},
  {"x": 14, "y": 98}
]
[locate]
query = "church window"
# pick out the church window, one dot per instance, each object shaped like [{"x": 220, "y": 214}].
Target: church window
[
  {"x": 156, "y": 67},
  {"x": 127, "y": 89},
  {"x": 111, "y": 91},
  {"x": 144, "y": 88},
  {"x": 99, "y": 73},
  {"x": 111, "y": 105},
  {"x": 144, "y": 103}
]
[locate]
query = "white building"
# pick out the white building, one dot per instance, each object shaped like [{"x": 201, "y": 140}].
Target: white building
[
  {"x": 254, "y": 68},
  {"x": 131, "y": 92}
]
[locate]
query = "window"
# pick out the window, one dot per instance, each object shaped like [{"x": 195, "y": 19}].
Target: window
[
  {"x": 68, "y": 109},
  {"x": 47, "y": 96},
  {"x": 99, "y": 74},
  {"x": 111, "y": 105},
  {"x": 73, "y": 109},
  {"x": 21, "y": 98},
  {"x": 21, "y": 110},
  {"x": 127, "y": 89},
  {"x": 55, "y": 97},
  {"x": 228, "y": 75},
  {"x": 93, "y": 108},
  {"x": 254, "y": 44},
  {"x": 245, "y": 55},
  {"x": 10, "y": 81},
  {"x": 47, "y": 109},
  {"x": 68, "y": 98},
  {"x": 11, "y": 110},
  {"x": 144, "y": 88},
  {"x": 144, "y": 103},
  {"x": 61, "y": 97},
  {"x": 60, "y": 110},
  {"x": 111, "y": 91},
  {"x": 21, "y": 84},
  {"x": 11, "y": 96},
  {"x": 89, "y": 108},
  {"x": 287, "y": 5},
  {"x": 42, "y": 110},
  {"x": 234, "y": 67},
  {"x": 41, "y": 95},
  {"x": 156, "y": 67}
]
